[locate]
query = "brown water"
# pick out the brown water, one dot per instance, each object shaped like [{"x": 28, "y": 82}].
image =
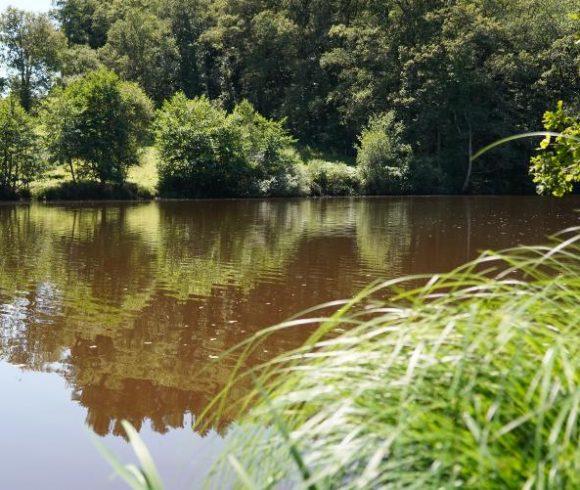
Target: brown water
[{"x": 110, "y": 311}]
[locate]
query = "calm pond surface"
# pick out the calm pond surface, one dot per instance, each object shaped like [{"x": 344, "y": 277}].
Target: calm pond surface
[{"x": 110, "y": 311}]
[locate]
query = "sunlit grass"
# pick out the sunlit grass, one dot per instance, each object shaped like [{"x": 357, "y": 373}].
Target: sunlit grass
[{"x": 146, "y": 174}]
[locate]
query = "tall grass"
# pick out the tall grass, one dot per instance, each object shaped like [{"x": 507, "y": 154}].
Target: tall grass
[{"x": 468, "y": 379}]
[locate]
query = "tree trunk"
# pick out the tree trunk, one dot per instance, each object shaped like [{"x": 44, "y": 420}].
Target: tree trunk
[
  {"x": 72, "y": 170},
  {"x": 470, "y": 162}
]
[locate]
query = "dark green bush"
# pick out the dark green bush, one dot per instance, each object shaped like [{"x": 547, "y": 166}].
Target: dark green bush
[
  {"x": 268, "y": 149},
  {"x": 427, "y": 177},
  {"x": 94, "y": 191},
  {"x": 383, "y": 158},
  {"x": 201, "y": 150},
  {"x": 333, "y": 179}
]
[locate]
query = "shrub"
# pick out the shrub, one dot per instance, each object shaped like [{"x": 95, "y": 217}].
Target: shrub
[
  {"x": 333, "y": 179},
  {"x": 95, "y": 191},
  {"x": 97, "y": 126},
  {"x": 427, "y": 177},
  {"x": 268, "y": 149},
  {"x": 383, "y": 158},
  {"x": 557, "y": 168},
  {"x": 289, "y": 180},
  {"x": 201, "y": 150},
  {"x": 206, "y": 152},
  {"x": 20, "y": 162}
]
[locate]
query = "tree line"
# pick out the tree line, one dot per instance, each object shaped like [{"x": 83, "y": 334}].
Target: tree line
[{"x": 282, "y": 97}]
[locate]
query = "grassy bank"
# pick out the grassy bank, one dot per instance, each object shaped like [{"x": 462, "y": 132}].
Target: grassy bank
[
  {"x": 141, "y": 184},
  {"x": 324, "y": 174},
  {"x": 468, "y": 379}
]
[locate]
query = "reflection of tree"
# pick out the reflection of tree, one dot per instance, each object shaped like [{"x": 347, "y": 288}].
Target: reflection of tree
[
  {"x": 130, "y": 302},
  {"x": 383, "y": 232}
]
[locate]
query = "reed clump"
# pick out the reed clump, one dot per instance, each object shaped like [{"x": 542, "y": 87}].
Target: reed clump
[{"x": 467, "y": 379}]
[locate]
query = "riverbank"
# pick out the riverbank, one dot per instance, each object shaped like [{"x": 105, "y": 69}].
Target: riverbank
[{"x": 327, "y": 175}]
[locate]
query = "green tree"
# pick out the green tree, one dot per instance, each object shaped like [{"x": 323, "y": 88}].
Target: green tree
[
  {"x": 557, "y": 168},
  {"x": 189, "y": 20},
  {"x": 20, "y": 161},
  {"x": 383, "y": 158},
  {"x": 97, "y": 125},
  {"x": 201, "y": 150},
  {"x": 77, "y": 20},
  {"x": 140, "y": 47},
  {"x": 30, "y": 47}
]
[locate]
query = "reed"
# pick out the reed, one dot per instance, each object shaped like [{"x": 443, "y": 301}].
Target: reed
[{"x": 469, "y": 379}]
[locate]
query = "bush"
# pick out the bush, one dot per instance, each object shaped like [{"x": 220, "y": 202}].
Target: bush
[
  {"x": 556, "y": 170},
  {"x": 94, "y": 191},
  {"x": 289, "y": 180},
  {"x": 206, "y": 152},
  {"x": 383, "y": 158},
  {"x": 201, "y": 150},
  {"x": 268, "y": 148},
  {"x": 427, "y": 177},
  {"x": 20, "y": 161},
  {"x": 97, "y": 126},
  {"x": 333, "y": 179}
]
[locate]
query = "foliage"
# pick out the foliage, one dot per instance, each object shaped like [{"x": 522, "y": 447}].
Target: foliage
[
  {"x": 77, "y": 20},
  {"x": 93, "y": 191},
  {"x": 333, "y": 179},
  {"x": 268, "y": 149},
  {"x": 557, "y": 168},
  {"x": 96, "y": 125},
  {"x": 200, "y": 149},
  {"x": 456, "y": 75},
  {"x": 30, "y": 47},
  {"x": 141, "y": 48},
  {"x": 383, "y": 159},
  {"x": 20, "y": 161},
  {"x": 206, "y": 152},
  {"x": 464, "y": 379}
]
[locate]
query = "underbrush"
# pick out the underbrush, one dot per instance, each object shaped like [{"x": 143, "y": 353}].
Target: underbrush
[
  {"x": 333, "y": 179},
  {"x": 93, "y": 191}
]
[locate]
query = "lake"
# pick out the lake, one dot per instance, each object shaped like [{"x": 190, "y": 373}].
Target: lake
[{"x": 118, "y": 311}]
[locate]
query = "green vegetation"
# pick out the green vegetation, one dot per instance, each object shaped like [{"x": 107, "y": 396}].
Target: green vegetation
[
  {"x": 96, "y": 126},
  {"x": 407, "y": 89},
  {"x": 383, "y": 159},
  {"x": 19, "y": 162},
  {"x": 463, "y": 379},
  {"x": 207, "y": 152},
  {"x": 557, "y": 168},
  {"x": 333, "y": 179},
  {"x": 30, "y": 47}
]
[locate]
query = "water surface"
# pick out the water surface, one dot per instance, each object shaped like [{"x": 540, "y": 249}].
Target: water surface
[{"x": 110, "y": 311}]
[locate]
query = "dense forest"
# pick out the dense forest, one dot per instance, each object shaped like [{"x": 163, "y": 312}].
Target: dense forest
[{"x": 291, "y": 97}]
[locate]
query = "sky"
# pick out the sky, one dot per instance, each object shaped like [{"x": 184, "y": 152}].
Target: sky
[{"x": 37, "y": 5}]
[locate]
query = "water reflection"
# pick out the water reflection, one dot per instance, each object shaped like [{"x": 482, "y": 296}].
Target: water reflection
[{"x": 128, "y": 302}]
